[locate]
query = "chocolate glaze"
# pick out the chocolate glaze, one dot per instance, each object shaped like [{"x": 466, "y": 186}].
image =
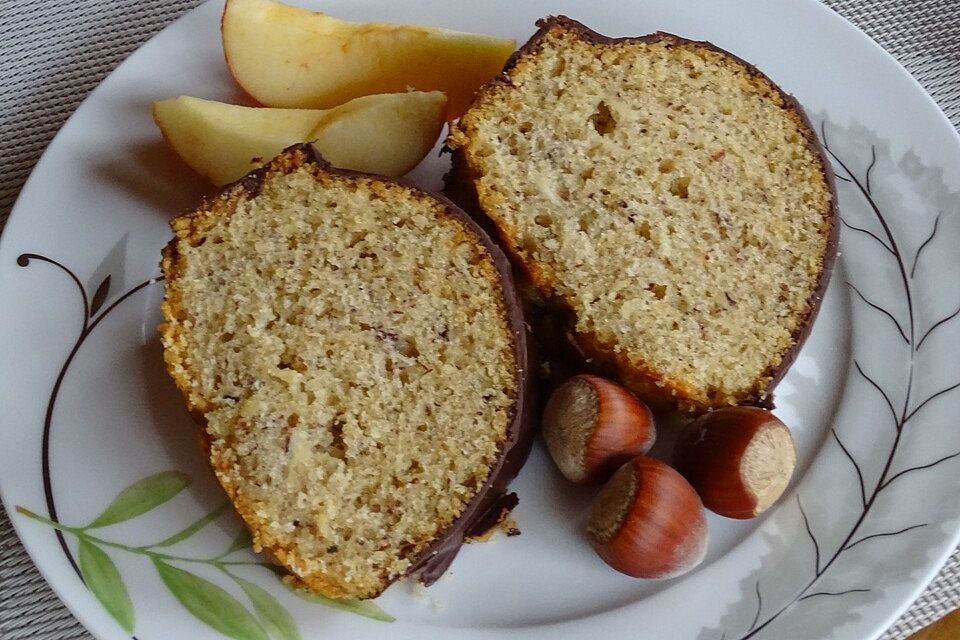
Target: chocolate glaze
[
  {"x": 567, "y": 351},
  {"x": 488, "y": 503}
]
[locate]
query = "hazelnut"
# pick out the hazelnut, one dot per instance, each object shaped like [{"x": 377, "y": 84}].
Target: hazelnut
[
  {"x": 739, "y": 459},
  {"x": 592, "y": 426},
  {"x": 648, "y": 522}
]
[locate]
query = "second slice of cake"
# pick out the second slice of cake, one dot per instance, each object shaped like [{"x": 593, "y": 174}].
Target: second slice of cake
[
  {"x": 665, "y": 198},
  {"x": 358, "y": 354}
]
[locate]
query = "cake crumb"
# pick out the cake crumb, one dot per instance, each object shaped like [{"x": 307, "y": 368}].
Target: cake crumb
[{"x": 506, "y": 524}]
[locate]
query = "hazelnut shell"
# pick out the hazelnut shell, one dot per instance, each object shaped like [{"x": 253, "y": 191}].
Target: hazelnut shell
[
  {"x": 648, "y": 522},
  {"x": 592, "y": 426},
  {"x": 739, "y": 459}
]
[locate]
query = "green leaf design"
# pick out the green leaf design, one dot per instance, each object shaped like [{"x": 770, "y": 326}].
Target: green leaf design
[
  {"x": 271, "y": 612},
  {"x": 242, "y": 541},
  {"x": 193, "y": 528},
  {"x": 142, "y": 496},
  {"x": 103, "y": 579},
  {"x": 210, "y": 604},
  {"x": 365, "y": 608}
]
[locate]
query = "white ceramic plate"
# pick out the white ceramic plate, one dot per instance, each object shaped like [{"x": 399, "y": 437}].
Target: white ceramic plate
[{"x": 88, "y": 411}]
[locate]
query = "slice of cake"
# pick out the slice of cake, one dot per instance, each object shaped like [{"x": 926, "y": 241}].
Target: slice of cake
[
  {"x": 357, "y": 351},
  {"x": 661, "y": 195}
]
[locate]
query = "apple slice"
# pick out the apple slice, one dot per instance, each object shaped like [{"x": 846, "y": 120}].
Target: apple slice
[
  {"x": 223, "y": 142},
  {"x": 285, "y": 56},
  {"x": 387, "y": 134}
]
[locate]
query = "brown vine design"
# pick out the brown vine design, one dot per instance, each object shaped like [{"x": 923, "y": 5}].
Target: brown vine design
[
  {"x": 910, "y": 333},
  {"x": 92, "y": 316}
]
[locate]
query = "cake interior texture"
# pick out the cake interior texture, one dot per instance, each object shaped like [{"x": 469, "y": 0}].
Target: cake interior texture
[
  {"x": 348, "y": 344},
  {"x": 666, "y": 194}
]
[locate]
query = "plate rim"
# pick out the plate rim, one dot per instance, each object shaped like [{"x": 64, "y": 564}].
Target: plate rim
[{"x": 14, "y": 220}]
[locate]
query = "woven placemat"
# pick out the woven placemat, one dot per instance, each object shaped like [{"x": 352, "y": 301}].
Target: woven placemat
[{"x": 50, "y": 66}]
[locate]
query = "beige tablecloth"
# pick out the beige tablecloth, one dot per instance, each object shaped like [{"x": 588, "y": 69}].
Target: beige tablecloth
[{"x": 54, "y": 52}]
